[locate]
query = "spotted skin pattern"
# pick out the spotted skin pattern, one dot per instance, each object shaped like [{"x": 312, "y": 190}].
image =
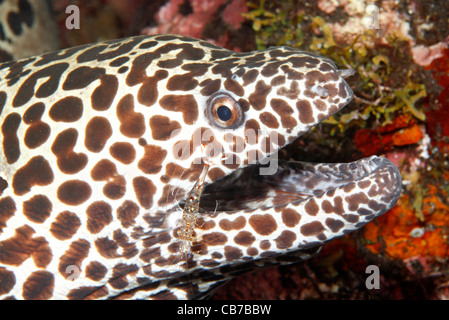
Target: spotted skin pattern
[
  {"x": 100, "y": 144},
  {"x": 21, "y": 23}
]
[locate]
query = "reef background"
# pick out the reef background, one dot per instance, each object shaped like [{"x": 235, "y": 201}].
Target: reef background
[{"x": 400, "y": 52}]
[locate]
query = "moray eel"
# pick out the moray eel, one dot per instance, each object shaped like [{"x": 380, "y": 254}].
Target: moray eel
[{"x": 102, "y": 143}]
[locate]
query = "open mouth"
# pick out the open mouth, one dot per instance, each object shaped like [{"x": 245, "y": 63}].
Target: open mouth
[{"x": 247, "y": 189}]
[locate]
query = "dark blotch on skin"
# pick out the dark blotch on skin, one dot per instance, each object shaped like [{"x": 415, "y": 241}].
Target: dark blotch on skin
[
  {"x": 263, "y": 224},
  {"x": 104, "y": 94},
  {"x": 215, "y": 174},
  {"x": 258, "y": 99},
  {"x": 236, "y": 224},
  {"x": 34, "y": 113},
  {"x": 38, "y": 131},
  {"x": 16, "y": 70},
  {"x": 52, "y": 74},
  {"x": 351, "y": 218},
  {"x": 74, "y": 192},
  {"x": 116, "y": 188},
  {"x": 291, "y": 93},
  {"x": 123, "y": 152},
  {"x": 68, "y": 109},
  {"x": 252, "y": 251},
  {"x": 132, "y": 124},
  {"x": 73, "y": 256},
  {"x": 250, "y": 76},
  {"x": 283, "y": 109},
  {"x": 37, "y": 171},
  {"x": 169, "y": 64},
  {"x": 232, "y": 253},
  {"x": 224, "y": 67},
  {"x": 244, "y": 238},
  {"x": 84, "y": 293},
  {"x": 11, "y": 148},
  {"x": 285, "y": 239},
  {"x": 99, "y": 215},
  {"x": 152, "y": 160},
  {"x": 304, "y": 61},
  {"x": 98, "y": 132},
  {"x": 234, "y": 87},
  {"x": 312, "y": 207},
  {"x": 269, "y": 120},
  {"x": 127, "y": 213},
  {"x": 162, "y": 127},
  {"x": 3, "y": 97},
  {"x": 18, "y": 248},
  {"x": 182, "y": 82},
  {"x": 334, "y": 224},
  {"x": 122, "y": 70},
  {"x": 65, "y": 225},
  {"x": 119, "y": 273},
  {"x": 305, "y": 111},
  {"x": 128, "y": 246},
  {"x": 14, "y": 22},
  {"x": 137, "y": 74},
  {"x": 7, "y": 210},
  {"x": 119, "y": 61},
  {"x": 107, "y": 248},
  {"x": 96, "y": 271},
  {"x": 145, "y": 190},
  {"x": 349, "y": 187},
  {"x": 7, "y": 280},
  {"x": 148, "y": 92},
  {"x": 105, "y": 52},
  {"x": 265, "y": 245},
  {"x": 290, "y": 217},
  {"x": 186, "y": 104},
  {"x": 39, "y": 286},
  {"x": 52, "y": 57},
  {"x": 342, "y": 91},
  {"x": 37, "y": 209},
  {"x": 277, "y": 81},
  {"x": 355, "y": 200},
  {"x": 336, "y": 208},
  {"x": 252, "y": 130},
  {"x": 320, "y": 105},
  {"x": 36, "y": 135},
  {"x": 210, "y": 86},
  {"x": 82, "y": 77},
  {"x": 103, "y": 170},
  {"x": 312, "y": 228},
  {"x": 361, "y": 184},
  {"x": 3, "y": 185},
  {"x": 68, "y": 161}
]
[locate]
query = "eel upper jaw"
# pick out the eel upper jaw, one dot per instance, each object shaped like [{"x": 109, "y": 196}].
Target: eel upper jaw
[{"x": 247, "y": 189}]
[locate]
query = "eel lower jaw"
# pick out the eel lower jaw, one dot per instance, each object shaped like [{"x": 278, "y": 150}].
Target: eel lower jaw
[{"x": 373, "y": 178}]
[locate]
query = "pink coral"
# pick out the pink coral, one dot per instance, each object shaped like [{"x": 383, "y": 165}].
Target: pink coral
[
  {"x": 424, "y": 56},
  {"x": 170, "y": 20},
  {"x": 327, "y": 6},
  {"x": 206, "y": 20},
  {"x": 232, "y": 14}
]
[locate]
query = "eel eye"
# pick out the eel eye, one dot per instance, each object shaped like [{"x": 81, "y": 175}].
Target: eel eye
[{"x": 224, "y": 111}]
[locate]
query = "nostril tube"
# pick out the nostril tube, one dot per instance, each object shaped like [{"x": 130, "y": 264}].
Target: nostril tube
[{"x": 346, "y": 72}]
